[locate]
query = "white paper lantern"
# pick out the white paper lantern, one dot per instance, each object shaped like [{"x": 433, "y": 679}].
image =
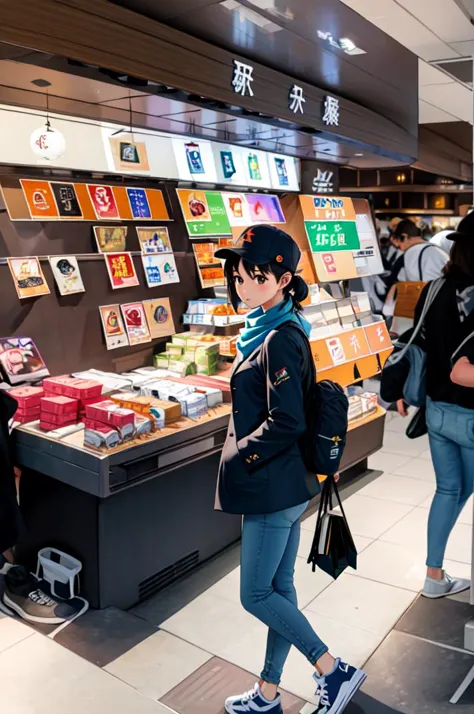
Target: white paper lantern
[{"x": 48, "y": 143}]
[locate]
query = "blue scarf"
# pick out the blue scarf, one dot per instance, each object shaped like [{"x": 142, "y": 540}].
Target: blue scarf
[{"x": 258, "y": 324}]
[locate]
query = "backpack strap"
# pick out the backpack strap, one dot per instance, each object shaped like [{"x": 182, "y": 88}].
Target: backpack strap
[
  {"x": 465, "y": 341},
  {"x": 420, "y": 260}
]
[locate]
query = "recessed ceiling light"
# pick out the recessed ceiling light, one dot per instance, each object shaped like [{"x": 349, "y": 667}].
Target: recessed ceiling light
[
  {"x": 41, "y": 83},
  {"x": 358, "y": 154}
]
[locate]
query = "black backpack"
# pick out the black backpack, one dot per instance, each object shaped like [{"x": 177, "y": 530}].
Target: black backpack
[{"x": 326, "y": 408}]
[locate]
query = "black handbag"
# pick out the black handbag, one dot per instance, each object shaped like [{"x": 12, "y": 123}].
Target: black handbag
[
  {"x": 333, "y": 548},
  {"x": 417, "y": 426}
]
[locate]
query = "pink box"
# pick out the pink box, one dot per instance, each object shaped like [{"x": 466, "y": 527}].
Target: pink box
[
  {"x": 59, "y": 405},
  {"x": 26, "y": 419},
  {"x": 27, "y": 396},
  {"x": 82, "y": 389},
  {"x": 33, "y": 412},
  {"x": 108, "y": 412},
  {"x": 52, "y": 426}
]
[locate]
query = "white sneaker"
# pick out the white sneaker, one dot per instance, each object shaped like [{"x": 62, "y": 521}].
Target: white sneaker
[
  {"x": 442, "y": 588},
  {"x": 253, "y": 701}
]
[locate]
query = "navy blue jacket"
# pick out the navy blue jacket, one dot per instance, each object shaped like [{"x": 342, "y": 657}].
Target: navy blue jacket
[{"x": 262, "y": 470}]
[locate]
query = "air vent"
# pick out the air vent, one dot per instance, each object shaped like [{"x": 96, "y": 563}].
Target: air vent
[{"x": 167, "y": 576}]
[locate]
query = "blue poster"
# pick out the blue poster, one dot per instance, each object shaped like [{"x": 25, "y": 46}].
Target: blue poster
[{"x": 139, "y": 203}]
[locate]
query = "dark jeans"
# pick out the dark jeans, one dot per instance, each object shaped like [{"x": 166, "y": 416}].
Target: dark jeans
[{"x": 269, "y": 548}]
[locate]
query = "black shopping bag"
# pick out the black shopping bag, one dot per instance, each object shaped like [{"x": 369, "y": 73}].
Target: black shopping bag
[{"x": 333, "y": 548}]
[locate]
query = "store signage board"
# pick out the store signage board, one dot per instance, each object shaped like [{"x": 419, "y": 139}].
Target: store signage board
[
  {"x": 331, "y": 236},
  {"x": 56, "y": 200},
  {"x": 204, "y": 213},
  {"x": 351, "y": 345},
  {"x": 113, "y": 326}
]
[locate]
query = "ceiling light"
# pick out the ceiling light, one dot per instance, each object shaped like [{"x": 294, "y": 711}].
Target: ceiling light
[{"x": 358, "y": 154}]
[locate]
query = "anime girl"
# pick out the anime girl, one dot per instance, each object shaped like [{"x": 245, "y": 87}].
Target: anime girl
[{"x": 262, "y": 474}]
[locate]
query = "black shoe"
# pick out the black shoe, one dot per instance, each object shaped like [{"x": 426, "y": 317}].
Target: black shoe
[{"x": 23, "y": 596}]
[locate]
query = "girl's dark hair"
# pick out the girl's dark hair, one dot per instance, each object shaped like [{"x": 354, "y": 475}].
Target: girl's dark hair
[
  {"x": 297, "y": 289},
  {"x": 461, "y": 256}
]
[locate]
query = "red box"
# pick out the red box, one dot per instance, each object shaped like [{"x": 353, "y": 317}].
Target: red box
[
  {"x": 27, "y": 396},
  {"x": 107, "y": 412},
  {"x": 58, "y": 419},
  {"x": 26, "y": 419},
  {"x": 52, "y": 426},
  {"x": 82, "y": 389},
  {"x": 54, "y": 385},
  {"x": 33, "y": 412},
  {"x": 59, "y": 405}
]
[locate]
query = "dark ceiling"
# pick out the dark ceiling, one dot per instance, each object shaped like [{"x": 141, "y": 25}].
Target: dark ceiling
[
  {"x": 457, "y": 132},
  {"x": 283, "y": 35}
]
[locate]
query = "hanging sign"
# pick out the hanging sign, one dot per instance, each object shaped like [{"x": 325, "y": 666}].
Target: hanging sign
[{"x": 204, "y": 213}]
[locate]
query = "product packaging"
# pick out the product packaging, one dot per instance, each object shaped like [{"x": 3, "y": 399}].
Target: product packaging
[
  {"x": 108, "y": 412},
  {"x": 27, "y": 397},
  {"x": 102, "y": 437},
  {"x": 63, "y": 406}
]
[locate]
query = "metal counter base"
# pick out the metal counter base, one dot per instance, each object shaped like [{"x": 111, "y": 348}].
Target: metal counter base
[{"x": 133, "y": 539}]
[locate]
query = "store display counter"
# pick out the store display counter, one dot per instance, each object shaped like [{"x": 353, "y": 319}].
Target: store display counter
[{"x": 138, "y": 516}]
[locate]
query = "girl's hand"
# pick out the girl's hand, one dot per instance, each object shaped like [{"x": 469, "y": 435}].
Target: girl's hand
[
  {"x": 336, "y": 477},
  {"x": 402, "y": 408}
]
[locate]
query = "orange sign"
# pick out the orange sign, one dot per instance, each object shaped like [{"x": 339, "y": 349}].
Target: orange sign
[
  {"x": 334, "y": 266},
  {"x": 378, "y": 337},
  {"x": 327, "y": 208},
  {"x": 40, "y": 199},
  {"x": 354, "y": 344},
  {"x": 321, "y": 355}
]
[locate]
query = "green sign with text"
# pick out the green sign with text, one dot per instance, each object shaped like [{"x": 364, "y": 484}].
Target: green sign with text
[{"x": 329, "y": 236}]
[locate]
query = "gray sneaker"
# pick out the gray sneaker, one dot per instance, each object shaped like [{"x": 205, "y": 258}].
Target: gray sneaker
[
  {"x": 26, "y": 599},
  {"x": 442, "y": 588}
]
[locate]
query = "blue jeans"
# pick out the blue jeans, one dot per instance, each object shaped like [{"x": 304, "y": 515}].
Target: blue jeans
[
  {"x": 451, "y": 434},
  {"x": 267, "y": 590}
]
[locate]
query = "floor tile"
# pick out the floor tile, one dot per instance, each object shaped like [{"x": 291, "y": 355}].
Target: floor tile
[
  {"x": 38, "y": 676},
  {"x": 418, "y": 468},
  {"x": 397, "y": 425},
  {"x": 12, "y": 631},
  {"x": 411, "y": 676},
  {"x": 426, "y": 455},
  {"x": 410, "y": 531},
  {"x": 396, "y": 444},
  {"x": 205, "y": 691},
  {"x": 387, "y": 462},
  {"x": 390, "y": 487},
  {"x": 363, "y": 604},
  {"x": 396, "y": 565},
  {"x": 351, "y": 644},
  {"x": 440, "y": 620},
  {"x": 101, "y": 636},
  {"x": 158, "y": 664},
  {"x": 460, "y": 544},
  {"x": 368, "y": 517}
]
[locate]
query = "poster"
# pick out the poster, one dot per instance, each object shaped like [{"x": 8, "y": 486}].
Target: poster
[
  {"x": 66, "y": 200},
  {"x": 67, "y": 274},
  {"x": 264, "y": 208},
  {"x": 204, "y": 254},
  {"x": 154, "y": 240},
  {"x": 20, "y": 360},
  {"x": 237, "y": 209},
  {"x": 28, "y": 277},
  {"x": 40, "y": 199},
  {"x": 104, "y": 203},
  {"x": 136, "y": 323},
  {"x": 129, "y": 155},
  {"x": 112, "y": 324},
  {"x": 110, "y": 239},
  {"x": 160, "y": 269},
  {"x": 137, "y": 197},
  {"x": 159, "y": 317},
  {"x": 204, "y": 213},
  {"x": 212, "y": 277},
  {"x": 121, "y": 270}
]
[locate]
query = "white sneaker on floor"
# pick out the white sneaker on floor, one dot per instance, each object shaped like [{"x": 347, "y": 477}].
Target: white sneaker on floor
[
  {"x": 442, "y": 588},
  {"x": 253, "y": 702}
]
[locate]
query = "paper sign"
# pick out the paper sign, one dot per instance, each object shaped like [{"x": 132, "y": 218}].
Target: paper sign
[
  {"x": 113, "y": 326},
  {"x": 378, "y": 337},
  {"x": 104, "y": 203},
  {"x": 339, "y": 265},
  {"x": 265, "y": 208},
  {"x": 329, "y": 236},
  {"x": 66, "y": 200},
  {"x": 159, "y": 317},
  {"x": 327, "y": 208},
  {"x": 154, "y": 240},
  {"x": 28, "y": 277},
  {"x": 160, "y": 269},
  {"x": 129, "y": 155},
  {"x": 110, "y": 239},
  {"x": 204, "y": 254},
  {"x": 121, "y": 270},
  {"x": 40, "y": 199},
  {"x": 67, "y": 274},
  {"x": 204, "y": 213},
  {"x": 20, "y": 360},
  {"x": 211, "y": 277},
  {"x": 354, "y": 344},
  {"x": 136, "y": 323},
  {"x": 237, "y": 209},
  {"x": 336, "y": 350}
]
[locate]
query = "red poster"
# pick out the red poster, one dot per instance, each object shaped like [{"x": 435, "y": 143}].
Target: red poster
[
  {"x": 121, "y": 270},
  {"x": 104, "y": 203}
]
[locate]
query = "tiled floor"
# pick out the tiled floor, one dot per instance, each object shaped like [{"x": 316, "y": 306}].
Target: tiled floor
[{"x": 188, "y": 647}]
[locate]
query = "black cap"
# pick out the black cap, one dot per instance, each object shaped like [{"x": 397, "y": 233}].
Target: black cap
[
  {"x": 263, "y": 244},
  {"x": 465, "y": 228}
]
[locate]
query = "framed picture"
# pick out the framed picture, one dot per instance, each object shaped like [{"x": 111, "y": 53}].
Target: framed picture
[
  {"x": 67, "y": 274},
  {"x": 136, "y": 323},
  {"x": 154, "y": 240},
  {"x": 110, "y": 239},
  {"x": 128, "y": 154},
  {"x": 121, "y": 270},
  {"x": 160, "y": 269},
  {"x": 113, "y": 326},
  {"x": 103, "y": 200},
  {"x": 159, "y": 317}
]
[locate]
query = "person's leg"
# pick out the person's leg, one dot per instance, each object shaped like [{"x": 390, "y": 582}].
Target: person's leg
[{"x": 265, "y": 540}]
